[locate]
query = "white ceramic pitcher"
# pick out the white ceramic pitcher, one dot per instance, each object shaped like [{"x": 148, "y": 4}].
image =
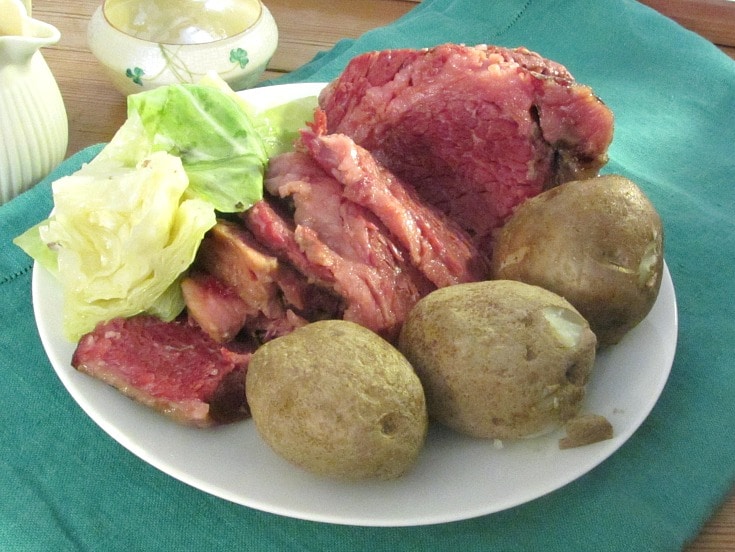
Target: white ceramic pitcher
[{"x": 33, "y": 122}]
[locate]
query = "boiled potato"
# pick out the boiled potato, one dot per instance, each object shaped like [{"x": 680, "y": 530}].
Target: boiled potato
[
  {"x": 338, "y": 400},
  {"x": 499, "y": 359},
  {"x": 596, "y": 242}
]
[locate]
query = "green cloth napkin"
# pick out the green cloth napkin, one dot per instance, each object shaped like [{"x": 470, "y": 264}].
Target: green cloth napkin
[{"x": 67, "y": 486}]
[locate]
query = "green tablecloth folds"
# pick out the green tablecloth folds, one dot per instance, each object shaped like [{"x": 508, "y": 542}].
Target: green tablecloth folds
[{"x": 66, "y": 485}]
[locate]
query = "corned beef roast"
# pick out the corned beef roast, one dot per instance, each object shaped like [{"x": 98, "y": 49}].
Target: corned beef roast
[
  {"x": 411, "y": 162},
  {"x": 475, "y": 129}
]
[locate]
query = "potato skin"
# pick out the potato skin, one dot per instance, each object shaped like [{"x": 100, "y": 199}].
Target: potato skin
[
  {"x": 491, "y": 362},
  {"x": 596, "y": 242},
  {"x": 336, "y": 399}
]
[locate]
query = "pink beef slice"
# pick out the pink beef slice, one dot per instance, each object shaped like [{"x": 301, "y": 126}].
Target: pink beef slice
[
  {"x": 216, "y": 307},
  {"x": 338, "y": 244},
  {"x": 172, "y": 367},
  {"x": 476, "y": 130},
  {"x": 437, "y": 246}
]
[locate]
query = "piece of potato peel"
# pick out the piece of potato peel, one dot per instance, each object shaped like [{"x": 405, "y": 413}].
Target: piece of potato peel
[{"x": 586, "y": 429}]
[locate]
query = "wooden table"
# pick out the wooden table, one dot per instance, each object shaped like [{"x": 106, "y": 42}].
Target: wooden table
[{"x": 96, "y": 110}]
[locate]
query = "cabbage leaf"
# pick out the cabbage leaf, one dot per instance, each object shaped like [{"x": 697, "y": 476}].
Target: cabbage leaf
[
  {"x": 222, "y": 153},
  {"x": 279, "y": 125},
  {"x": 122, "y": 238}
]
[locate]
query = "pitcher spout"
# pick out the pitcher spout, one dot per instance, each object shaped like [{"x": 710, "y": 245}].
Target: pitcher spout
[{"x": 21, "y": 35}]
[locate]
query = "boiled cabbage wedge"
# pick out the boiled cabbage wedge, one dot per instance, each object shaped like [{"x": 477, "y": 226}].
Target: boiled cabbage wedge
[
  {"x": 119, "y": 239},
  {"x": 127, "y": 226}
]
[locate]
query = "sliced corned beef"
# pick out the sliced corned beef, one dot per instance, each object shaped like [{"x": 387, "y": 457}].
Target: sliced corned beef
[
  {"x": 337, "y": 243},
  {"x": 437, "y": 246},
  {"x": 476, "y": 130},
  {"x": 273, "y": 226},
  {"x": 172, "y": 367}
]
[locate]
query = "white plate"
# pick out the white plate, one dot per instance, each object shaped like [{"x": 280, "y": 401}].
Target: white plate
[{"x": 455, "y": 477}]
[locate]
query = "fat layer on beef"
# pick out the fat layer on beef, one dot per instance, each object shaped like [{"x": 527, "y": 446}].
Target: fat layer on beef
[
  {"x": 476, "y": 130},
  {"x": 230, "y": 253},
  {"x": 238, "y": 286},
  {"x": 172, "y": 367}
]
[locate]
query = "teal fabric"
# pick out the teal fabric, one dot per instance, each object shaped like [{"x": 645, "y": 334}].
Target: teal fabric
[{"x": 67, "y": 486}]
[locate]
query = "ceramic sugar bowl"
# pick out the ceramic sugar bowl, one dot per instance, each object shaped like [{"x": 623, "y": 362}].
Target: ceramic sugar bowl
[
  {"x": 34, "y": 130},
  {"x": 143, "y": 44}
]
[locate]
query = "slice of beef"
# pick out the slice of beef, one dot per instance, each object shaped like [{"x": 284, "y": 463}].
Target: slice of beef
[
  {"x": 231, "y": 254},
  {"x": 337, "y": 243},
  {"x": 437, "y": 246},
  {"x": 271, "y": 222},
  {"x": 172, "y": 367},
  {"x": 476, "y": 130},
  {"x": 239, "y": 286},
  {"x": 216, "y": 307}
]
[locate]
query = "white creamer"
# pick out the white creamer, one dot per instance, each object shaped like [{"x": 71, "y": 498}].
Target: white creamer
[{"x": 33, "y": 121}]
